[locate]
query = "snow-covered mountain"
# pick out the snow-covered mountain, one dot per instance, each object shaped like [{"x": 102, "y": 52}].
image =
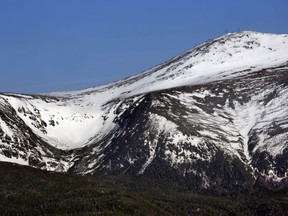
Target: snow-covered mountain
[{"x": 217, "y": 115}]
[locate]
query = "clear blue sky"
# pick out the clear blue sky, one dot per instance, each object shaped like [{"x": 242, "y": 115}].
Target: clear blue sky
[{"x": 55, "y": 45}]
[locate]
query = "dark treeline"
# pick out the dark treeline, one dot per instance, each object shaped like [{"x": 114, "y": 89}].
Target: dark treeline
[{"x": 27, "y": 191}]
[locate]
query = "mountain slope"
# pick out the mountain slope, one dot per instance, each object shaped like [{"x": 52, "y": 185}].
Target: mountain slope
[{"x": 213, "y": 116}]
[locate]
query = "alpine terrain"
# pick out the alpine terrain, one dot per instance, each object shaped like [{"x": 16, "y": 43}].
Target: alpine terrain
[{"x": 214, "y": 117}]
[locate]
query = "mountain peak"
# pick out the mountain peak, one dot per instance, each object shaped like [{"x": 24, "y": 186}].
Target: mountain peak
[{"x": 231, "y": 55}]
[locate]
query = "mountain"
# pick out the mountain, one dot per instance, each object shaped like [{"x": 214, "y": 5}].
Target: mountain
[{"x": 214, "y": 117}]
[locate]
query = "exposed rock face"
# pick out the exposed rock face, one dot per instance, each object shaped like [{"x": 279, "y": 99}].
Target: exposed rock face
[{"x": 215, "y": 117}]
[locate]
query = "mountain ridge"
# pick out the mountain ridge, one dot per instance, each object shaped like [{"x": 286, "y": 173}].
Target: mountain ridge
[
  {"x": 214, "y": 116},
  {"x": 233, "y": 37}
]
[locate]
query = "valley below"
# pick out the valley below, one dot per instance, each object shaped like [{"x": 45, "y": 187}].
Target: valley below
[{"x": 28, "y": 191}]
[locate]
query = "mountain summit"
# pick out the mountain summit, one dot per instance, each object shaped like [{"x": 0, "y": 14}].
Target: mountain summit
[{"x": 214, "y": 116}]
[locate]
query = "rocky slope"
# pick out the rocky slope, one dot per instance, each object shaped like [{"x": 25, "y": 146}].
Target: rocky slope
[{"x": 213, "y": 117}]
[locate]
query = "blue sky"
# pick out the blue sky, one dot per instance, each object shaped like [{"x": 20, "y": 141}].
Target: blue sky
[{"x": 56, "y": 45}]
